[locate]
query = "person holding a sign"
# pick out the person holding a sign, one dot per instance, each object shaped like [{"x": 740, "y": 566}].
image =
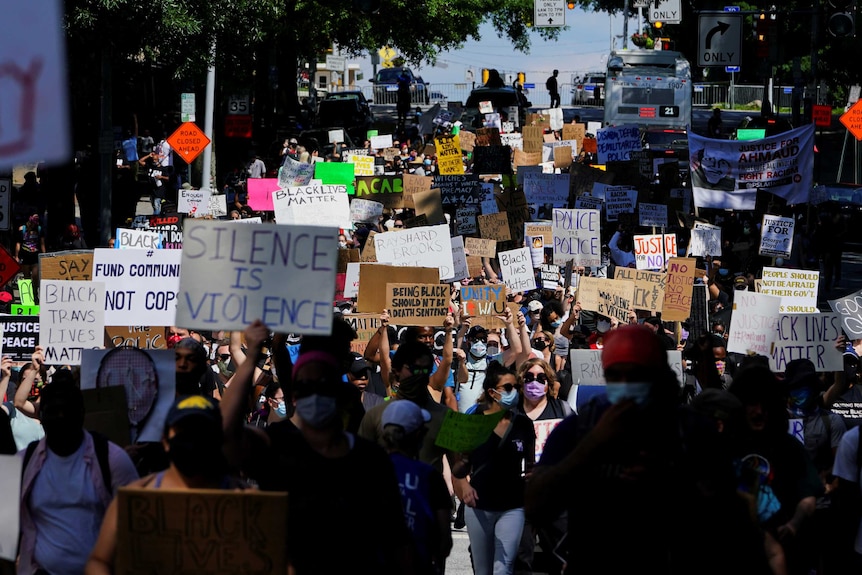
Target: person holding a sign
[
  {"x": 30, "y": 243},
  {"x": 631, "y": 457},
  {"x": 493, "y": 487}
]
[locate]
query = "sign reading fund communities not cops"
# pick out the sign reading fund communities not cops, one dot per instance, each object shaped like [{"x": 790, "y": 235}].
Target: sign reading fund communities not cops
[{"x": 232, "y": 275}]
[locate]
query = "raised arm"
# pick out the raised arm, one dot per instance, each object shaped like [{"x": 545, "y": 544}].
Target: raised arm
[
  {"x": 439, "y": 377},
  {"x": 238, "y": 386},
  {"x": 25, "y": 386},
  {"x": 382, "y": 335}
]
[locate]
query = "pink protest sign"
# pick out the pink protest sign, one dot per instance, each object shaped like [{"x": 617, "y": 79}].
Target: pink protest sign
[{"x": 260, "y": 193}]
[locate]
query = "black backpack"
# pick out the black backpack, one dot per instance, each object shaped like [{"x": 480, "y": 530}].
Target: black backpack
[{"x": 100, "y": 444}]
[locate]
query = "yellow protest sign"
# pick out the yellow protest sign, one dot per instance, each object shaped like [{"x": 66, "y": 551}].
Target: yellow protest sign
[{"x": 449, "y": 160}]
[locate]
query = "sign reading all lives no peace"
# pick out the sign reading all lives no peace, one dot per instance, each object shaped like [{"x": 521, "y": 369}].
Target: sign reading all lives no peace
[{"x": 283, "y": 275}]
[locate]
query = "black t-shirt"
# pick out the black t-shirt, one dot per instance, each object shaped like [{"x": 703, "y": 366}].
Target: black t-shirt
[
  {"x": 498, "y": 471},
  {"x": 335, "y": 504}
]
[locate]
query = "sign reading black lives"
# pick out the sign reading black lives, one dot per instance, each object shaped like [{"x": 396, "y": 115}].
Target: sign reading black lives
[
  {"x": 459, "y": 190},
  {"x": 20, "y": 336}
]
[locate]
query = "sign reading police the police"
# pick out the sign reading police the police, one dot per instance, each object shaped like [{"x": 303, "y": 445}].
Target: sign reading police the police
[
  {"x": 140, "y": 285},
  {"x": 282, "y": 275}
]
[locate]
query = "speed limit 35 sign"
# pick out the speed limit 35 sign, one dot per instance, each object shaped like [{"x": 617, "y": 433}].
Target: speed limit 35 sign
[{"x": 238, "y": 105}]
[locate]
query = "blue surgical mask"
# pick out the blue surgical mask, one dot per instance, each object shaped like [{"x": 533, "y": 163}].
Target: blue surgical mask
[
  {"x": 318, "y": 411},
  {"x": 478, "y": 349},
  {"x": 556, "y": 323},
  {"x": 618, "y": 392},
  {"x": 508, "y": 399},
  {"x": 281, "y": 410}
]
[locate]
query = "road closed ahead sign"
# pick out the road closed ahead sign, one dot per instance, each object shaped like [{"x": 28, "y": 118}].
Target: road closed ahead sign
[
  {"x": 188, "y": 141},
  {"x": 852, "y": 119}
]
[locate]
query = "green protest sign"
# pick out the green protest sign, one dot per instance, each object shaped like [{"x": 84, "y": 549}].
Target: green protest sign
[
  {"x": 335, "y": 173},
  {"x": 462, "y": 433},
  {"x": 25, "y": 309}
]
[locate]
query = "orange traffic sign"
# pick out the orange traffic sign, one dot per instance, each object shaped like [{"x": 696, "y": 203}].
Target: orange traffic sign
[
  {"x": 852, "y": 118},
  {"x": 188, "y": 141},
  {"x": 9, "y": 267}
]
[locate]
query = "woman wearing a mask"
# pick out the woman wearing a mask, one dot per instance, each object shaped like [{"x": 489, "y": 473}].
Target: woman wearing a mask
[
  {"x": 491, "y": 484},
  {"x": 537, "y": 380}
]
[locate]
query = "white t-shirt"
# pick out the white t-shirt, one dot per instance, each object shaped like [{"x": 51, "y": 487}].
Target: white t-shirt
[{"x": 846, "y": 467}]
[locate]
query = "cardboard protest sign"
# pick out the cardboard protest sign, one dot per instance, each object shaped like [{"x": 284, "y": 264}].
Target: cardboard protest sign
[
  {"x": 20, "y": 335},
  {"x": 449, "y": 160},
  {"x": 517, "y": 270},
  {"x": 412, "y": 184},
  {"x": 427, "y": 246},
  {"x": 284, "y": 275},
  {"x": 522, "y": 158},
  {"x": 532, "y": 138},
  {"x": 260, "y": 192},
  {"x": 417, "y": 304},
  {"x": 513, "y": 203},
  {"x": 652, "y": 215},
  {"x": 365, "y": 325},
  {"x": 137, "y": 239},
  {"x": 754, "y": 323},
  {"x": 465, "y": 220},
  {"x": 481, "y": 247},
  {"x": 677, "y": 293},
  {"x": 488, "y": 136},
  {"x": 850, "y": 309},
  {"x": 562, "y": 156},
  {"x": 346, "y": 256},
  {"x": 807, "y": 336},
  {"x": 218, "y": 205},
  {"x": 10, "y": 482},
  {"x": 430, "y": 205},
  {"x": 474, "y": 266},
  {"x": 492, "y": 160},
  {"x": 495, "y": 227},
  {"x": 541, "y": 189},
  {"x": 796, "y": 288},
  {"x": 201, "y": 531},
  {"x": 705, "y": 240},
  {"x": 588, "y": 293},
  {"x": 72, "y": 318},
  {"x": 365, "y": 210},
  {"x": 614, "y": 298},
  {"x": 193, "y": 202},
  {"x": 334, "y": 173},
  {"x": 468, "y": 140},
  {"x": 69, "y": 265},
  {"x": 386, "y": 189},
  {"x": 541, "y": 228},
  {"x": 614, "y": 143},
  {"x": 140, "y": 285},
  {"x": 513, "y": 140},
  {"x": 351, "y": 279},
  {"x": 294, "y": 173},
  {"x": 462, "y": 433},
  {"x": 141, "y": 337},
  {"x": 648, "y": 287},
  {"x": 576, "y": 236},
  {"x": 653, "y": 251},
  {"x": 776, "y": 236},
  {"x": 369, "y": 253},
  {"x": 484, "y": 303},
  {"x": 459, "y": 190},
  {"x": 324, "y": 205},
  {"x": 575, "y": 132}
]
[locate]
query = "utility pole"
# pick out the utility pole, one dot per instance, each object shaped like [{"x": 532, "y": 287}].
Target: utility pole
[
  {"x": 208, "y": 123},
  {"x": 626, "y": 24}
]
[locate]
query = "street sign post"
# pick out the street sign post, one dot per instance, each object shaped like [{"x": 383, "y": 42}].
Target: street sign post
[
  {"x": 187, "y": 107},
  {"x": 549, "y": 13},
  {"x": 719, "y": 39},
  {"x": 188, "y": 141},
  {"x": 852, "y": 119},
  {"x": 335, "y": 63},
  {"x": 665, "y": 11}
]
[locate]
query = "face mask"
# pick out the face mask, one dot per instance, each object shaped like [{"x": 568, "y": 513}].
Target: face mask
[
  {"x": 556, "y": 323},
  {"x": 539, "y": 345},
  {"x": 414, "y": 387},
  {"x": 281, "y": 410},
  {"x": 618, "y": 392},
  {"x": 720, "y": 366},
  {"x": 342, "y": 245},
  {"x": 800, "y": 402},
  {"x": 173, "y": 340},
  {"x": 478, "y": 349},
  {"x": 534, "y": 390},
  {"x": 318, "y": 411},
  {"x": 194, "y": 456},
  {"x": 493, "y": 349},
  {"x": 508, "y": 399}
]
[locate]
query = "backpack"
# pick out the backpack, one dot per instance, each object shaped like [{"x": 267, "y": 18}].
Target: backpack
[
  {"x": 100, "y": 444},
  {"x": 548, "y": 83}
]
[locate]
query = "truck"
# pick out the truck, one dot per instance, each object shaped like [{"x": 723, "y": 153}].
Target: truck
[
  {"x": 650, "y": 88},
  {"x": 386, "y": 86}
]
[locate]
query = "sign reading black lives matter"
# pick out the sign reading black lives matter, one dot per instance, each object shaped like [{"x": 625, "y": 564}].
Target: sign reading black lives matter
[{"x": 283, "y": 275}]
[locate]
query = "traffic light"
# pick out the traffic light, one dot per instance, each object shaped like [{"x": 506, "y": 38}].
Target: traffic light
[
  {"x": 841, "y": 22},
  {"x": 763, "y": 28},
  {"x": 658, "y": 25},
  {"x": 667, "y": 44},
  {"x": 570, "y": 5},
  {"x": 522, "y": 78}
]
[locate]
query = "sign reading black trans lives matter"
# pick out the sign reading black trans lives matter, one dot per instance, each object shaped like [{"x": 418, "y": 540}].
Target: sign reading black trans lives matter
[{"x": 232, "y": 275}]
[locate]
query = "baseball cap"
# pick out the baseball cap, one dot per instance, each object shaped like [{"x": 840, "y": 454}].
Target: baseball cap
[
  {"x": 800, "y": 372},
  {"x": 293, "y": 141},
  {"x": 477, "y": 331},
  {"x": 535, "y": 305},
  {"x": 199, "y": 406},
  {"x": 633, "y": 343},
  {"x": 359, "y": 364},
  {"x": 405, "y": 413},
  {"x": 740, "y": 283}
]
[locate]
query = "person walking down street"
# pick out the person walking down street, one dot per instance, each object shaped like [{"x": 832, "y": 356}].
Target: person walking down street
[
  {"x": 403, "y": 102},
  {"x": 714, "y": 126},
  {"x": 31, "y": 243},
  {"x": 553, "y": 89}
]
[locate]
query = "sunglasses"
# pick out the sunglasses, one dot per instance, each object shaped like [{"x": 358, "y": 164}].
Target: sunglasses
[
  {"x": 544, "y": 339},
  {"x": 540, "y": 377},
  {"x": 482, "y": 339},
  {"x": 224, "y": 356},
  {"x": 418, "y": 369},
  {"x": 507, "y": 387}
]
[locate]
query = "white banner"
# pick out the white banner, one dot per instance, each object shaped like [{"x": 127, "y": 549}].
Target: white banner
[
  {"x": 140, "y": 285},
  {"x": 326, "y": 205},
  {"x": 232, "y": 275},
  {"x": 517, "y": 269},
  {"x": 753, "y": 323},
  {"x": 71, "y": 319},
  {"x": 726, "y": 174},
  {"x": 425, "y": 246}
]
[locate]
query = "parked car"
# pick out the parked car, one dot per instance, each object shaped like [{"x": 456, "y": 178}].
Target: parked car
[
  {"x": 502, "y": 99},
  {"x": 667, "y": 143},
  {"x": 386, "y": 86},
  {"x": 348, "y": 109},
  {"x": 591, "y": 90},
  {"x": 319, "y": 140}
]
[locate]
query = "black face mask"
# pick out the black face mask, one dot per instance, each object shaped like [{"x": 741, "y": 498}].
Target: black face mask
[
  {"x": 63, "y": 436},
  {"x": 539, "y": 345},
  {"x": 188, "y": 383},
  {"x": 195, "y": 455},
  {"x": 414, "y": 388}
]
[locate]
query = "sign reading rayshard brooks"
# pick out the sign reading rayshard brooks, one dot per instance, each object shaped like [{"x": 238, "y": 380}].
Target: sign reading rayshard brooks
[{"x": 232, "y": 275}]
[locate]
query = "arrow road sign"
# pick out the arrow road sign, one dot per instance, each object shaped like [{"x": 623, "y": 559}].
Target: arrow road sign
[
  {"x": 666, "y": 11},
  {"x": 549, "y": 13},
  {"x": 719, "y": 39}
]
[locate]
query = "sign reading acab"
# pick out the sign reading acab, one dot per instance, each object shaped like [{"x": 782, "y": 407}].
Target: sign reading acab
[{"x": 188, "y": 141}]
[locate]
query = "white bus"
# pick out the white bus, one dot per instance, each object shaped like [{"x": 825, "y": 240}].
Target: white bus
[{"x": 650, "y": 88}]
